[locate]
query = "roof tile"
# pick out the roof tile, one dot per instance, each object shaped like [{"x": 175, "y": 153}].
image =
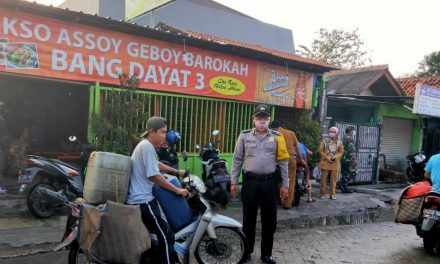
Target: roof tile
[
  {"x": 409, "y": 84},
  {"x": 225, "y": 41}
]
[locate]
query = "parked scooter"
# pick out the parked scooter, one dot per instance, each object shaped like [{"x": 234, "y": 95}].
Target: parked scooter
[
  {"x": 167, "y": 152},
  {"x": 215, "y": 172},
  {"x": 54, "y": 175},
  {"x": 208, "y": 238},
  {"x": 416, "y": 167},
  {"x": 429, "y": 227}
]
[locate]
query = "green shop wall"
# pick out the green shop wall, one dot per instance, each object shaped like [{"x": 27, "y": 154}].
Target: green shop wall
[
  {"x": 195, "y": 117},
  {"x": 398, "y": 111}
]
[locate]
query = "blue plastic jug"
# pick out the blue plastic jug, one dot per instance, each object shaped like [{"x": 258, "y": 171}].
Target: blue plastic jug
[{"x": 175, "y": 207}]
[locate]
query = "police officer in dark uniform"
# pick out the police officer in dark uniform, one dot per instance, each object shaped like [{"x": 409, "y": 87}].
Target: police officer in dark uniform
[{"x": 258, "y": 151}]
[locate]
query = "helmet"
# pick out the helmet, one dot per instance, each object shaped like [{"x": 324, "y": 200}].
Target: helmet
[
  {"x": 173, "y": 136},
  {"x": 419, "y": 158}
]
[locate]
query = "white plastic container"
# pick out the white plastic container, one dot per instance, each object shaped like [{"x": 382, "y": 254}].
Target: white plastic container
[{"x": 107, "y": 178}]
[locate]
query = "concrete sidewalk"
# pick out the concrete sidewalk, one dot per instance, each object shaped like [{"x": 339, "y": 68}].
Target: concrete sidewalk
[
  {"x": 367, "y": 204},
  {"x": 21, "y": 234}
]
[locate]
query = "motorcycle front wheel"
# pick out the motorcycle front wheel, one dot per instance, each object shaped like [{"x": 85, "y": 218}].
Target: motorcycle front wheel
[
  {"x": 410, "y": 175},
  {"x": 38, "y": 205},
  {"x": 431, "y": 243},
  {"x": 76, "y": 256},
  {"x": 229, "y": 247}
]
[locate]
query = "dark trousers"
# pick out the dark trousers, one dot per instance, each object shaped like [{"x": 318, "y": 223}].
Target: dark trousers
[
  {"x": 155, "y": 221},
  {"x": 259, "y": 194}
]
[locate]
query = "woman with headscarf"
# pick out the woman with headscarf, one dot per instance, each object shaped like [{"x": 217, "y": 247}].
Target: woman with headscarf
[{"x": 331, "y": 150}]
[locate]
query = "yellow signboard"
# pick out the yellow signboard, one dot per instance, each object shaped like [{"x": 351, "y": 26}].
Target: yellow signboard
[
  {"x": 133, "y": 8},
  {"x": 279, "y": 85}
]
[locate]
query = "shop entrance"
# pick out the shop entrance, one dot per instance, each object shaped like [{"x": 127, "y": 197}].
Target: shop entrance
[{"x": 49, "y": 110}]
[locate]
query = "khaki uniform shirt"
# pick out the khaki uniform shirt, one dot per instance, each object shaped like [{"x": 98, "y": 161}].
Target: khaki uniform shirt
[
  {"x": 257, "y": 155},
  {"x": 291, "y": 140},
  {"x": 324, "y": 164}
]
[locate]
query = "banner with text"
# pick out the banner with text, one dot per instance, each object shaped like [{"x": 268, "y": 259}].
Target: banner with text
[
  {"x": 427, "y": 100},
  {"x": 40, "y": 46},
  {"x": 282, "y": 86}
]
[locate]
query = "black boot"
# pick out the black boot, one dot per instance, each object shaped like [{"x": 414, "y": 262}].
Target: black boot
[
  {"x": 341, "y": 187},
  {"x": 347, "y": 190}
]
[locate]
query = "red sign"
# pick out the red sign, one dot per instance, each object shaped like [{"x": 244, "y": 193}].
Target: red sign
[{"x": 40, "y": 46}]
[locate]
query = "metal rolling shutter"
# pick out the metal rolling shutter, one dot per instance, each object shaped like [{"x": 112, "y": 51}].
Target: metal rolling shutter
[{"x": 396, "y": 141}]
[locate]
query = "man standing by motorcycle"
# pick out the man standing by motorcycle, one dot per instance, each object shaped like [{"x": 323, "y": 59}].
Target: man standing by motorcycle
[
  {"x": 432, "y": 171},
  {"x": 348, "y": 161},
  {"x": 145, "y": 173},
  {"x": 258, "y": 151}
]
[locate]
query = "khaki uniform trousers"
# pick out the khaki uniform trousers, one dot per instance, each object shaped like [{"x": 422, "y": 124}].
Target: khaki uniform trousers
[
  {"x": 333, "y": 176},
  {"x": 292, "y": 181}
]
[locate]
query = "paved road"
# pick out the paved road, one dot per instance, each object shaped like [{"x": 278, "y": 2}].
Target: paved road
[
  {"x": 384, "y": 242},
  {"x": 375, "y": 243}
]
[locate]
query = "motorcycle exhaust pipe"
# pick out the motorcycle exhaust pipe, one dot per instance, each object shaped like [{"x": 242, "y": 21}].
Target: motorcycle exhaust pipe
[{"x": 54, "y": 197}]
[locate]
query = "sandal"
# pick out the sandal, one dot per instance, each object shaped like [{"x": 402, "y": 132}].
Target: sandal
[{"x": 310, "y": 201}]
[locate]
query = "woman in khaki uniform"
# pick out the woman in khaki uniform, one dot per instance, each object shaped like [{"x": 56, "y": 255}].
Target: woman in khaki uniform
[{"x": 331, "y": 150}]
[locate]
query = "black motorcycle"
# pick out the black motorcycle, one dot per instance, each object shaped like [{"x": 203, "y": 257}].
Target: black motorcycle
[
  {"x": 215, "y": 172},
  {"x": 429, "y": 227},
  {"x": 55, "y": 175},
  {"x": 416, "y": 167}
]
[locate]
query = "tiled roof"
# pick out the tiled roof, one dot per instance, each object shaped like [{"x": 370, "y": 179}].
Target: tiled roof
[
  {"x": 358, "y": 70},
  {"x": 409, "y": 84},
  {"x": 355, "y": 81},
  {"x": 224, "y": 41},
  {"x": 199, "y": 40}
]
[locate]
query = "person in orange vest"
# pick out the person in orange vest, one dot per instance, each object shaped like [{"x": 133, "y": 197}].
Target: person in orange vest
[{"x": 293, "y": 149}]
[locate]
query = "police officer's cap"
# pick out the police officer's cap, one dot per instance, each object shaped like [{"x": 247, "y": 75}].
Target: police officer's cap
[{"x": 262, "y": 109}]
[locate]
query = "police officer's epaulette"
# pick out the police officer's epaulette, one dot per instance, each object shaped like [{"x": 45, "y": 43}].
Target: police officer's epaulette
[
  {"x": 246, "y": 131},
  {"x": 275, "y": 132}
]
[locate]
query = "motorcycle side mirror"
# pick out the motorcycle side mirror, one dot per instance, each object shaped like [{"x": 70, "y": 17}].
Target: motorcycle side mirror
[
  {"x": 72, "y": 138},
  {"x": 184, "y": 156},
  {"x": 197, "y": 146},
  {"x": 215, "y": 132}
]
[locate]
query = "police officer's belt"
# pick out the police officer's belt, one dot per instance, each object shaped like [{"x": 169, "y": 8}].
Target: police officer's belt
[{"x": 258, "y": 177}]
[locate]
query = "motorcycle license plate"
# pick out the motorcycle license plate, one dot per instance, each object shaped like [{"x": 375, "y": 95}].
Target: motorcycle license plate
[
  {"x": 25, "y": 178},
  {"x": 221, "y": 177},
  {"x": 432, "y": 214}
]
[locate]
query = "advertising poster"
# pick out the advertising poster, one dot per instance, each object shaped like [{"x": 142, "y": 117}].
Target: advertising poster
[{"x": 279, "y": 85}]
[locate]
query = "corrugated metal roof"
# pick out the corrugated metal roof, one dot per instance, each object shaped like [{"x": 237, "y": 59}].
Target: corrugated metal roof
[{"x": 191, "y": 38}]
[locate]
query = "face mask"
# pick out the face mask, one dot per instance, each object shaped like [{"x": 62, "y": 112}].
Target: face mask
[{"x": 332, "y": 134}]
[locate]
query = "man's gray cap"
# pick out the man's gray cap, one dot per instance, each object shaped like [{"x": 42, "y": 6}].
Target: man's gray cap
[{"x": 154, "y": 123}]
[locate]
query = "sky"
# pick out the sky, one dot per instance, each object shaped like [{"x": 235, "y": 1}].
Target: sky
[{"x": 396, "y": 32}]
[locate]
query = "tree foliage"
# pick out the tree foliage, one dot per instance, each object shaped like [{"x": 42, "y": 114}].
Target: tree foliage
[
  {"x": 430, "y": 66},
  {"x": 308, "y": 132},
  {"x": 338, "y": 47},
  {"x": 118, "y": 125}
]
